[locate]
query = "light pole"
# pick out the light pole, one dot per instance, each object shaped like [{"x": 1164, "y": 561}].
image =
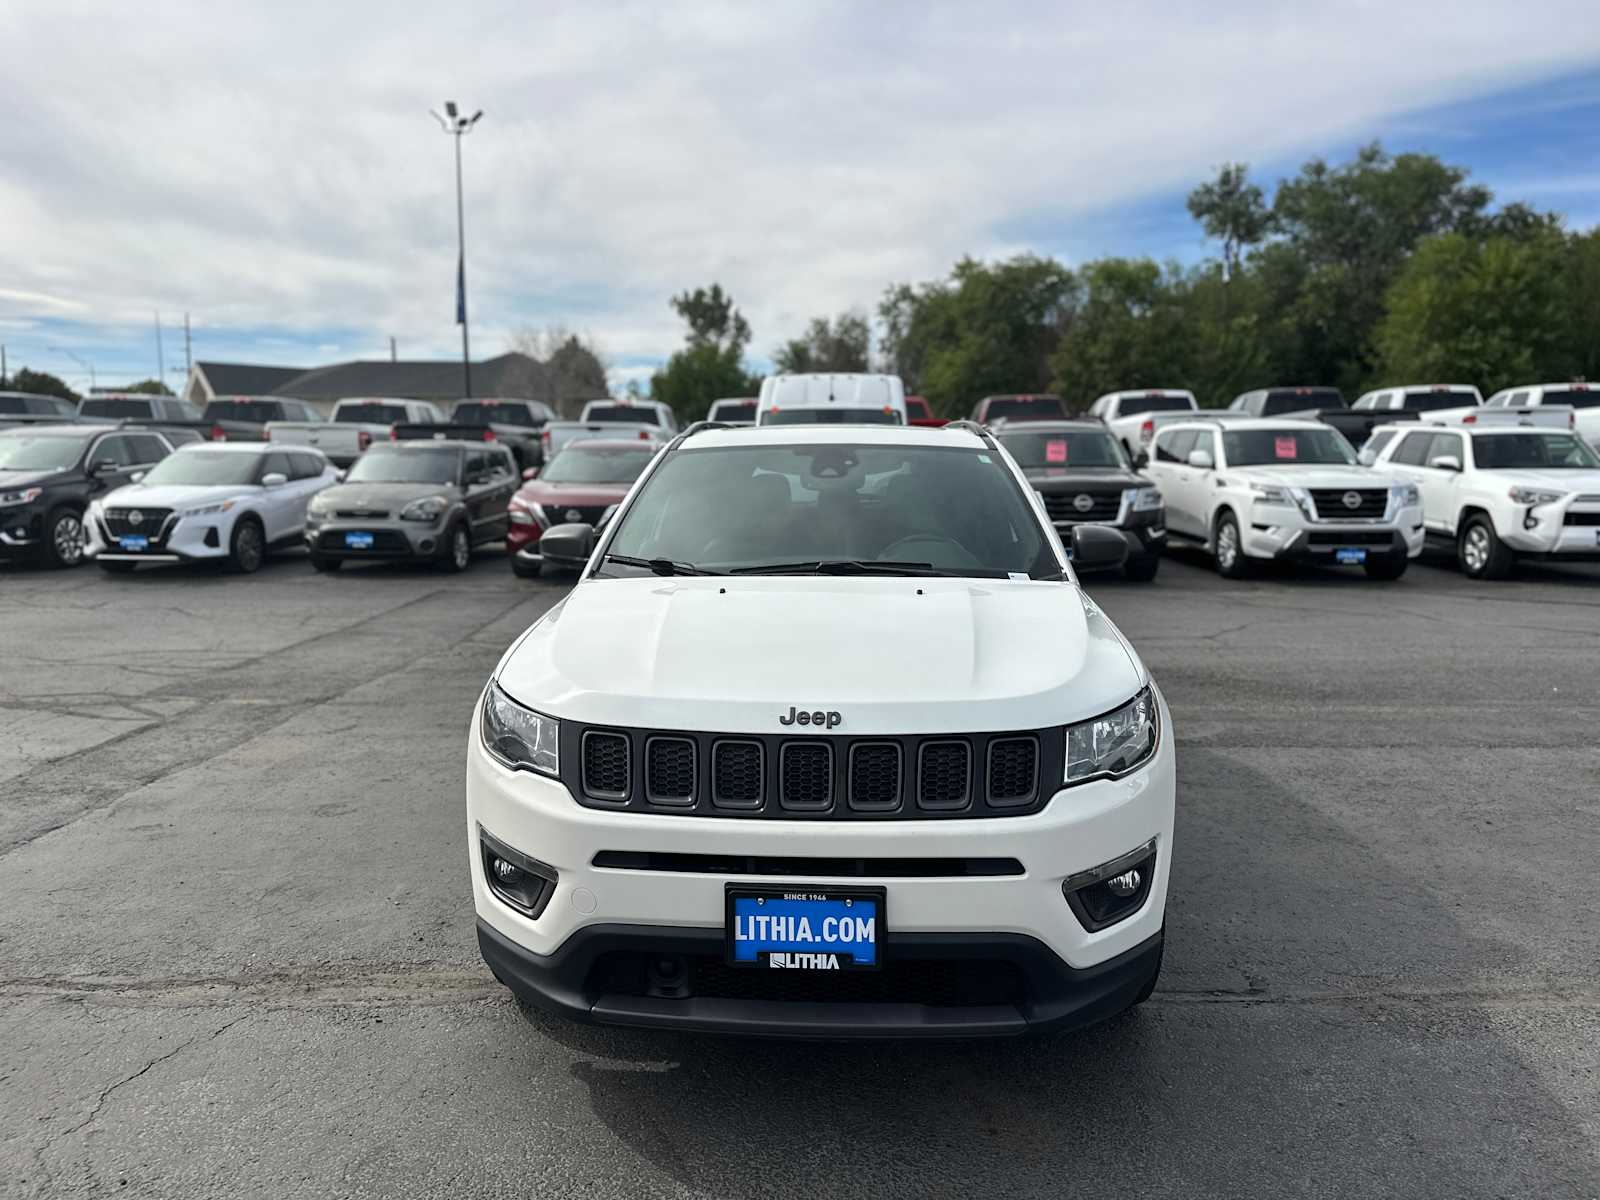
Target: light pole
[
  {"x": 82, "y": 362},
  {"x": 456, "y": 125}
]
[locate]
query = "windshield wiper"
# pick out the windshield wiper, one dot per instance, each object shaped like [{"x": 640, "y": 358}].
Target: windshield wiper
[
  {"x": 838, "y": 566},
  {"x": 661, "y": 566}
]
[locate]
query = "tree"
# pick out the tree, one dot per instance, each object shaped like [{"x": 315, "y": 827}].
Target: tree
[
  {"x": 1233, "y": 211},
  {"x": 843, "y": 344},
  {"x": 711, "y": 364},
  {"x": 574, "y": 367},
  {"x": 41, "y": 383},
  {"x": 712, "y": 319},
  {"x": 149, "y": 387}
]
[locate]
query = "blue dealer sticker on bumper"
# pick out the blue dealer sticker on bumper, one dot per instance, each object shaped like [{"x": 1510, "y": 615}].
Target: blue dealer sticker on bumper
[
  {"x": 810, "y": 929},
  {"x": 358, "y": 541},
  {"x": 1350, "y": 555},
  {"x": 133, "y": 544}
]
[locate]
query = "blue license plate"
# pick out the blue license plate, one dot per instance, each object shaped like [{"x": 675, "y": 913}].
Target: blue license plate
[
  {"x": 1350, "y": 555},
  {"x": 134, "y": 544},
  {"x": 812, "y": 929},
  {"x": 358, "y": 541}
]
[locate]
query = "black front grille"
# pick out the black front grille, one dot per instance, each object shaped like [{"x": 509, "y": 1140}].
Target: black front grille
[
  {"x": 738, "y": 769},
  {"x": 875, "y": 776},
  {"x": 1330, "y": 505},
  {"x": 669, "y": 770},
  {"x": 1013, "y": 770},
  {"x": 358, "y": 514},
  {"x": 813, "y": 868},
  {"x": 1583, "y": 518},
  {"x": 561, "y": 514},
  {"x": 1357, "y": 537},
  {"x": 1101, "y": 505},
  {"x": 120, "y": 523},
  {"x": 944, "y": 775},
  {"x": 807, "y": 771},
  {"x": 605, "y": 765}
]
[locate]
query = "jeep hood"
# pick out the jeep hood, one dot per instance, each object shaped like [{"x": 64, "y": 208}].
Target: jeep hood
[{"x": 891, "y": 655}]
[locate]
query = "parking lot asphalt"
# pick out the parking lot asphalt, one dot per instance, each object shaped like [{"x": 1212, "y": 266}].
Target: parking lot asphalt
[{"x": 237, "y": 952}]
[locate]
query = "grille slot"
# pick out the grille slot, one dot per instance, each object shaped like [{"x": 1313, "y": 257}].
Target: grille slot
[
  {"x": 606, "y": 775},
  {"x": 875, "y": 776},
  {"x": 1331, "y": 507},
  {"x": 1013, "y": 771},
  {"x": 744, "y": 864},
  {"x": 150, "y": 524},
  {"x": 806, "y": 770},
  {"x": 1062, "y": 508},
  {"x": 669, "y": 770},
  {"x": 1583, "y": 518},
  {"x": 1358, "y": 537},
  {"x": 737, "y": 771},
  {"x": 944, "y": 775}
]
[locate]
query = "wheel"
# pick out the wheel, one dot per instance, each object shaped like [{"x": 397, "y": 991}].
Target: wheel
[
  {"x": 1142, "y": 568},
  {"x": 457, "y": 550},
  {"x": 524, "y": 570},
  {"x": 63, "y": 538},
  {"x": 1226, "y": 548},
  {"x": 116, "y": 568},
  {"x": 321, "y": 562},
  {"x": 1481, "y": 552},
  {"x": 1150, "y": 984},
  {"x": 1386, "y": 568},
  {"x": 248, "y": 546}
]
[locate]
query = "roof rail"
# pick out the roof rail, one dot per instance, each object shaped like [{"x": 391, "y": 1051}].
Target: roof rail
[{"x": 967, "y": 425}]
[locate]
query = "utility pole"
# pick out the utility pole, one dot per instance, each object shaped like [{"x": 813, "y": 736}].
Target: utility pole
[
  {"x": 188, "y": 356},
  {"x": 456, "y": 125},
  {"x": 392, "y": 352},
  {"x": 2, "y": 364},
  {"x": 161, "y": 360}
]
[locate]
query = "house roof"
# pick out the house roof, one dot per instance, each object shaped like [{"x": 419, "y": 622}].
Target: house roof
[
  {"x": 246, "y": 379},
  {"x": 508, "y": 375}
]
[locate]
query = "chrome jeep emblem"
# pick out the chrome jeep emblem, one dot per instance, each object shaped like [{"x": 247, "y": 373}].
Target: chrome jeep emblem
[
  {"x": 136, "y": 517},
  {"x": 1083, "y": 502},
  {"x": 1351, "y": 499}
]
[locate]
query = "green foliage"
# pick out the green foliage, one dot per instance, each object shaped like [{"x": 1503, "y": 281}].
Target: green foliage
[
  {"x": 843, "y": 344},
  {"x": 1232, "y": 210},
  {"x": 712, "y": 319},
  {"x": 149, "y": 387},
  {"x": 711, "y": 364},
  {"x": 40, "y": 383}
]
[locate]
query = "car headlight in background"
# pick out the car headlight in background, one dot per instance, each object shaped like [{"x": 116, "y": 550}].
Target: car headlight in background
[
  {"x": 520, "y": 737},
  {"x": 1408, "y": 494},
  {"x": 318, "y": 507},
  {"x": 1146, "y": 498},
  {"x": 24, "y": 496},
  {"x": 527, "y": 512},
  {"x": 1115, "y": 743},
  {"x": 221, "y": 506},
  {"x": 1528, "y": 495},
  {"x": 1271, "y": 493},
  {"x": 429, "y": 508}
]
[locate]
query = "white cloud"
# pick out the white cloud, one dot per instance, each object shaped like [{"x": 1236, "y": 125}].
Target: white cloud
[{"x": 276, "y": 168}]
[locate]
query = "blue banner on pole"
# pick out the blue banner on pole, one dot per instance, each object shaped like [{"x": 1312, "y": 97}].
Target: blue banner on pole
[{"x": 461, "y": 290}]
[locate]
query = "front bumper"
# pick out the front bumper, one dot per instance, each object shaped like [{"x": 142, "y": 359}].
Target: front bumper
[
  {"x": 1273, "y": 533},
  {"x": 180, "y": 539},
  {"x": 1545, "y": 530},
  {"x": 21, "y": 531},
  {"x": 1021, "y": 919},
  {"x": 392, "y": 539}
]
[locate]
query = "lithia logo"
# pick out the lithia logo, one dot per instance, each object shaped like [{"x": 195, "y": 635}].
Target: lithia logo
[{"x": 796, "y": 717}]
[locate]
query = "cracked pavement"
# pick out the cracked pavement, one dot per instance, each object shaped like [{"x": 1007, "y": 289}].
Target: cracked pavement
[{"x": 236, "y": 949}]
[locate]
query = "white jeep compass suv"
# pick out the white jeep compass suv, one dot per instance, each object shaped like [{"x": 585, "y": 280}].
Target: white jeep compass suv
[{"x": 826, "y": 741}]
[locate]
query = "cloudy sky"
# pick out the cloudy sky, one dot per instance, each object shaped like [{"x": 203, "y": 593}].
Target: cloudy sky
[{"x": 272, "y": 169}]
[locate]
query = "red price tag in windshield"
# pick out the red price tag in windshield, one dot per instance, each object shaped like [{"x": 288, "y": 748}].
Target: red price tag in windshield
[
  {"x": 1286, "y": 447},
  {"x": 1055, "y": 451}
]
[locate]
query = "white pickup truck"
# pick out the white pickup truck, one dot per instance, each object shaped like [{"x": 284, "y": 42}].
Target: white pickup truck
[
  {"x": 356, "y": 423},
  {"x": 1134, "y": 416},
  {"x": 1582, "y": 398},
  {"x": 648, "y": 420},
  {"x": 1501, "y": 486}
]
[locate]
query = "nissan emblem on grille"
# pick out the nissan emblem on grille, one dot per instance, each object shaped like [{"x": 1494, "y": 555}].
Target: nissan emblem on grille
[
  {"x": 135, "y": 517},
  {"x": 1352, "y": 499},
  {"x": 573, "y": 514},
  {"x": 1083, "y": 502}
]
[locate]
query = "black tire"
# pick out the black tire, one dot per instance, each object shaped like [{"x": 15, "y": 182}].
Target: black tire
[
  {"x": 116, "y": 568},
  {"x": 1386, "y": 568},
  {"x": 1141, "y": 568},
  {"x": 321, "y": 562},
  {"x": 1227, "y": 549},
  {"x": 525, "y": 570},
  {"x": 247, "y": 548},
  {"x": 1149, "y": 987},
  {"x": 452, "y": 557},
  {"x": 63, "y": 538},
  {"x": 1480, "y": 551}
]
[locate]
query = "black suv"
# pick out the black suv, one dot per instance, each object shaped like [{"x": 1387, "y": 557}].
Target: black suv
[
  {"x": 48, "y": 475},
  {"x": 1084, "y": 477}
]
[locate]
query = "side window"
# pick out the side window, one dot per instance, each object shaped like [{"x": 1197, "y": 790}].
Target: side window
[
  {"x": 477, "y": 464},
  {"x": 277, "y": 463},
  {"x": 146, "y": 448},
  {"x": 306, "y": 466},
  {"x": 1375, "y": 444},
  {"x": 1515, "y": 399},
  {"x": 1174, "y": 447},
  {"x": 501, "y": 464},
  {"x": 1413, "y": 449},
  {"x": 1204, "y": 440},
  {"x": 116, "y": 448},
  {"x": 1446, "y": 444}
]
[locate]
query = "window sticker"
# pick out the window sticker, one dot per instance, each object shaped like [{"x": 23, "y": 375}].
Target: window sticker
[
  {"x": 1286, "y": 447},
  {"x": 1055, "y": 450}
]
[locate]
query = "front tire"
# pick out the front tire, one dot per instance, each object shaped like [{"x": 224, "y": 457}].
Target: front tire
[
  {"x": 247, "y": 548},
  {"x": 321, "y": 562},
  {"x": 1386, "y": 568},
  {"x": 1142, "y": 568},
  {"x": 1481, "y": 552},
  {"x": 63, "y": 538},
  {"x": 1227, "y": 549},
  {"x": 524, "y": 570},
  {"x": 457, "y": 550}
]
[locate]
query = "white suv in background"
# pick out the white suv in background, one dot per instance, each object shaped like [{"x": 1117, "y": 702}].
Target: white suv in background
[
  {"x": 1260, "y": 488},
  {"x": 1494, "y": 493}
]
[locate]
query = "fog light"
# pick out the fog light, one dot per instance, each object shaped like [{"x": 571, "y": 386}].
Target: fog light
[
  {"x": 1113, "y": 891},
  {"x": 426, "y": 545},
  {"x": 523, "y": 883}
]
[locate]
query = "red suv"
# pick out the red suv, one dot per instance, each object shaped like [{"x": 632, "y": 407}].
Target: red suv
[
  {"x": 580, "y": 483},
  {"x": 1037, "y": 407}
]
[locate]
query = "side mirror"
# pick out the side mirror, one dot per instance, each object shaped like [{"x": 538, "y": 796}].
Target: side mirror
[
  {"x": 568, "y": 544},
  {"x": 1098, "y": 547},
  {"x": 1201, "y": 459},
  {"x": 1445, "y": 462},
  {"x": 1141, "y": 460},
  {"x": 531, "y": 473},
  {"x": 339, "y": 476},
  {"x": 1366, "y": 457},
  {"x": 274, "y": 479},
  {"x": 105, "y": 466}
]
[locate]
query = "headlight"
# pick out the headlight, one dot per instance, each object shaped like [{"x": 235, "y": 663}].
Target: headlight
[
  {"x": 1408, "y": 493},
  {"x": 1146, "y": 498},
  {"x": 1115, "y": 743},
  {"x": 429, "y": 508},
  {"x": 1271, "y": 493},
  {"x": 318, "y": 507},
  {"x": 25, "y": 496},
  {"x": 220, "y": 507},
  {"x": 525, "y": 512},
  {"x": 520, "y": 737},
  {"x": 1528, "y": 495}
]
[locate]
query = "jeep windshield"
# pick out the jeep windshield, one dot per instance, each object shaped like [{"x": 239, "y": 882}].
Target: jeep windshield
[
  {"x": 1287, "y": 447},
  {"x": 1546, "y": 451},
  {"x": 833, "y": 509},
  {"x": 406, "y": 466},
  {"x": 1086, "y": 448}
]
